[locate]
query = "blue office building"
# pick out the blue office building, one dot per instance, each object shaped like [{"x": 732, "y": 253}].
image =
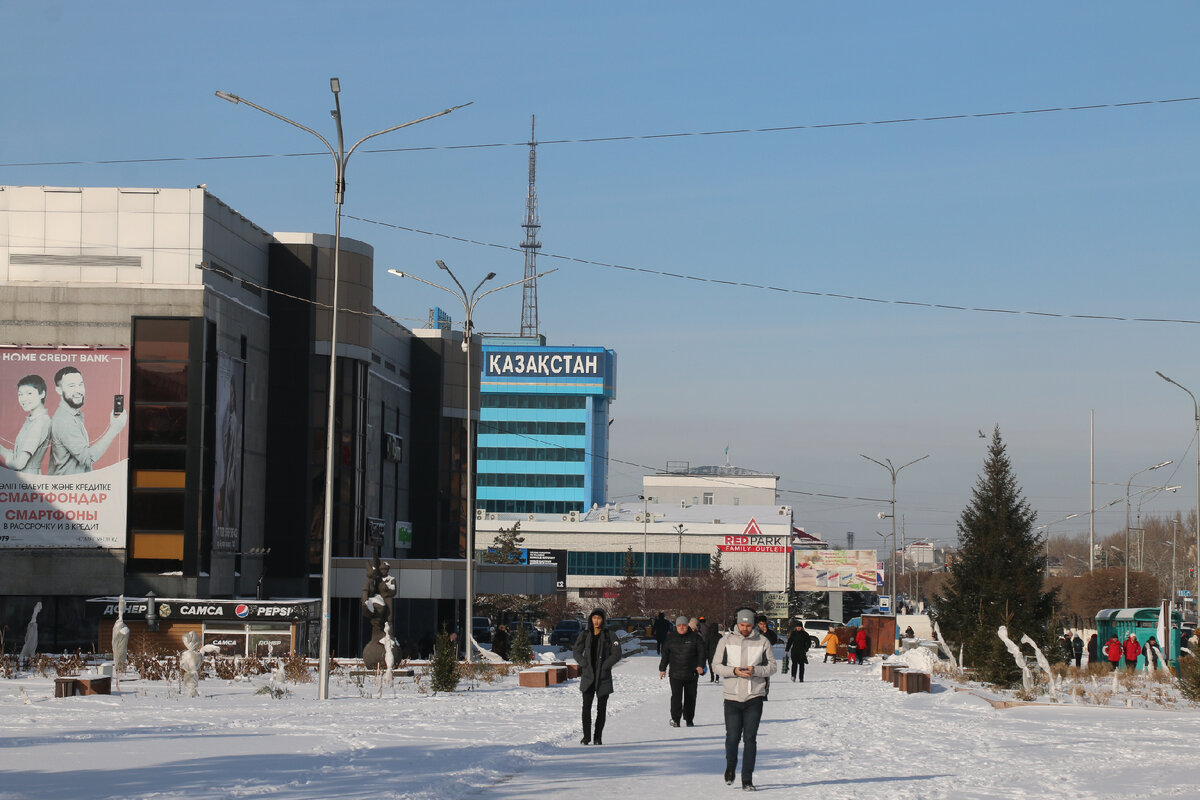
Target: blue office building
[{"x": 542, "y": 444}]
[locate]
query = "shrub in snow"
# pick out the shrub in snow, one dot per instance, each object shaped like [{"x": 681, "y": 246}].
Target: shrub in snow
[
  {"x": 444, "y": 667},
  {"x": 519, "y": 651},
  {"x": 1189, "y": 678}
]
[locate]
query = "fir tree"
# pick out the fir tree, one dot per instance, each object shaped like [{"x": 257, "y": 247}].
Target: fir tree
[
  {"x": 997, "y": 576},
  {"x": 519, "y": 651},
  {"x": 444, "y": 668},
  {"x": 629, "y": 590}
]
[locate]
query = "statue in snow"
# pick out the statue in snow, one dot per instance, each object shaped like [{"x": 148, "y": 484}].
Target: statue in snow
[
  {"x": 191, "y": 659},
  {"x": 31, "y": 635},
  {"x": 120, "y": 640},
  {"x": 377, "y": 595},
  {"x": 1026, "y": 675},
  {"x": 1042, "y": 662}
]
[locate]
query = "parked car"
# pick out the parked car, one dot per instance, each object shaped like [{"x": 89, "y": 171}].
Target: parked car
[
  {"x": 817, "y": 628},
  {"x": 481, "y": 629},
  {"x": 566, "y": 632}
]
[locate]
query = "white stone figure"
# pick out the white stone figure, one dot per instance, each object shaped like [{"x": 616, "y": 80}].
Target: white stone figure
[
  {"x": 1018, "y": 656},
  {"x": 937, "y": 635},
  {"x": 120, "y": 641},
  {"x": 31, "y": 635},
  {"x": 1043, "y": 664},
  {"x": 191, "y": 659},
  {"x": 278, "y": 681},
  {"x": 389, "y": 651}
]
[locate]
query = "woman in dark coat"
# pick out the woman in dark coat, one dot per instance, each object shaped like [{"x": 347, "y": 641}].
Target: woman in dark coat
[
  {"x": 597, "y": 650},
  {"x": 797, "y": 645}
]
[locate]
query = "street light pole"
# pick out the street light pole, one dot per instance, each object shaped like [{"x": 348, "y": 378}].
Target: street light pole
[
  {"x": 1128, "y": 489},
  {"x": 469, "y": 302},
  {"x": 1196, "y": 407},
  {"x": 341, "y": 157},
  {"x": 893, "y": 470},
  {"x": 892, "y": 596}
]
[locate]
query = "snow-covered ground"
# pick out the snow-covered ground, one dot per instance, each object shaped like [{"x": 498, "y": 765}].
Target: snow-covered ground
[{"x": 843, "y": 733}]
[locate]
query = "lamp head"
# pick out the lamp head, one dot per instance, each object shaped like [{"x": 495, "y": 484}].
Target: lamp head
[
  {"x": 490, "y": 275},
  {"x": 335, "y": 85},
  {"x": 442, "y": 265},
  {"x": 233, "y": 98}
]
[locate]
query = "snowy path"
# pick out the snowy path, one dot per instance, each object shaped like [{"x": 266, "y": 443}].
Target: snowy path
[
  {"x": 841, "y": 734},
  {"x": 844, "y": 733}
]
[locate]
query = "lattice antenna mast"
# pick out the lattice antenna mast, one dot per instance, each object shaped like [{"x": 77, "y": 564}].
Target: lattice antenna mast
[{"x": 531, "y": 245}]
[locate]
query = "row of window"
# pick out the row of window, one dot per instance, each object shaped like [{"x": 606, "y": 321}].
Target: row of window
[
  {"x": 529, "y": 454},
  {"x": 538, "y": 428},
  {"x": 518, "y": 480},
  {"x": 657, "y": 564},
  {"x": 505, "y": 400},
  {"x": 529, "y": 506}
]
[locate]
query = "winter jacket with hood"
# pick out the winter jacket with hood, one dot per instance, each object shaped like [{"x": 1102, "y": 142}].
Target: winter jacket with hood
[
  {"x": 798, "y": 642},
  {"x": 735, "y": 650},
  {"x": 1133, "y": 649},
  {"x": 596, "y": 656},
  {"x": 1112, "y": 650}
]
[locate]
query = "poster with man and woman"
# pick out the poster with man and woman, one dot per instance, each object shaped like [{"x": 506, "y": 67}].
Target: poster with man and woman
[{"x": 64, "y": 446}]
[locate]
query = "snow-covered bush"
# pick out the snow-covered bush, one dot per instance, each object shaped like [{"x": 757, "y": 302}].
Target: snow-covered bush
[
  {"x": 1189, "y": 678},
  {"x": 444, "y": 668},
  {"x": 519, "y": 651}
]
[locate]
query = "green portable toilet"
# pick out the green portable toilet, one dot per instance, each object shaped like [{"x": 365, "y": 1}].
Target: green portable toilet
[{"x": 1143, "y": 623}]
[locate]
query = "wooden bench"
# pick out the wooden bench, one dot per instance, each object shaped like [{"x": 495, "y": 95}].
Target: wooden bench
[
  {"x": 533, "y": 678},
  {"x": 912, "y": 682},
  {"x": 85, "y": 685}
]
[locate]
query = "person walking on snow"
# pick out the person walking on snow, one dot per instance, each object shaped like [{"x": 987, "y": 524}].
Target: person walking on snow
[
  {"x": 710, "y": 634},
  {"x": 1133, "y": 649},
  {"x": 797, "y": 647},
  {"x": 745, "y": 660},
  {"x": 860, "y": 639},
  {"x": 1113, "y": 650},
  {"x": 1077, "y": 649},
  {"x": 831, "y": 645},
  {"x": 684, "y": 654},
  {"x": 661, "y": 629},
  {"x": 597, "y": 650}
]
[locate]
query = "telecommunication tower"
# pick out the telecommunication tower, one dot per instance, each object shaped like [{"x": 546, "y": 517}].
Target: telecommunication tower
[{"x": 531, "y": 245}]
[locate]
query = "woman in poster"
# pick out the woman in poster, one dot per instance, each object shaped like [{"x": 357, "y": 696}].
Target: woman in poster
[{"x": 29, "y": 448}]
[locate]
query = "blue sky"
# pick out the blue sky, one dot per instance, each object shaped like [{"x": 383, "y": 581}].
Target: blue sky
[{"x": 1089, "y": 212}]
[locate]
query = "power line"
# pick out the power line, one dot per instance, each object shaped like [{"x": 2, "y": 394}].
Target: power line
[
  {"x": 626, "y": 138},
  {"x": 783, "y": 289}
]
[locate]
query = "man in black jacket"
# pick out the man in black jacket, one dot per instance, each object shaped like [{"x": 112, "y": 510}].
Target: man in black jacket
[
  {"x": 684, "y": 654},
  {"x": 710, "y": 634},
  {"x": 597, "y": 650}
]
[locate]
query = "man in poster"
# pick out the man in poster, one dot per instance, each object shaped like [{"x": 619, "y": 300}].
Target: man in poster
[{"x": 71, "y": 451}]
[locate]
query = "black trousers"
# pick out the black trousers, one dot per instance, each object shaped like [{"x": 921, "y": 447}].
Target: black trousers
[
  {"x": 741, "y": 723},
  {"x": 683, "y": 698},
  {"x": 797, "y": 669},
  {"x": 601, "y": 708}
]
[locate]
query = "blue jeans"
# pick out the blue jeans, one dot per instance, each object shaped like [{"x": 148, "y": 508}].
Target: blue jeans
[{"x": 741, "y": 722}]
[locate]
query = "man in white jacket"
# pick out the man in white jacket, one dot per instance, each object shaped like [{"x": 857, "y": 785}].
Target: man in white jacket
[{"x": 746, "y": 662}]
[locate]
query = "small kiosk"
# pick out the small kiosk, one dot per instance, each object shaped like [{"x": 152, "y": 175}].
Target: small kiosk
[
  {"x": 264, "y": 628},
  {"x": 1143, "y": 623}
]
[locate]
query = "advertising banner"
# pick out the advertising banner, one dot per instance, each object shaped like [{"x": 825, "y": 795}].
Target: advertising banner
[
  {"x": 227, "y": 476},
  {"x": 545, "y": 557},
  {"x": 64, "y": 446},
  {"x": 754, "y": 544},
  {"x": 835, "y": 570}
]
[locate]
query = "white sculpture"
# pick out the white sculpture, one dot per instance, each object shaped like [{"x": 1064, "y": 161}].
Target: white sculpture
[
  {"x": 937, "y": 635},
  {"x": 1018, "y": 656},
  {"x": 1043, "y": 664},
  {"x": 389, "y": 651},
  {"x": 120, "y": 641},
  {"x": 190, "y": 661},
  {"x": 31, "y": 635}
]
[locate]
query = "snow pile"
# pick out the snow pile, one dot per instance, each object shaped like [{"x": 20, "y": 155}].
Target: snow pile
[{"x": 919, "y": 658}]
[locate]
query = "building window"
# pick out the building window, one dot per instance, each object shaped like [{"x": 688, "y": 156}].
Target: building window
[
  {"x": 657, "y": 564},
  {"x": 551, "y": 401},
  {"x": 529, "y": 454},
  {"x": 708, "y": 498}
]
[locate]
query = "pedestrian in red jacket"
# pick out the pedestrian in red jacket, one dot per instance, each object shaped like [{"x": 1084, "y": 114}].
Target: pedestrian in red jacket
[
  {"x": 1133, "y": 649},
  {"x": 1112, "y": 649},
  {"x": 861, "y": 641}
]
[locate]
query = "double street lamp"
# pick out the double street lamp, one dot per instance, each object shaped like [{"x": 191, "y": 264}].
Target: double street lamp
[
  {"x": 469, "y": 302},
  {"x": 1196, "y": 408},
  {"x": 1128, "y": 489},
  {"x": 893, "y": 470},
  {"x": 341, "y": 156}
]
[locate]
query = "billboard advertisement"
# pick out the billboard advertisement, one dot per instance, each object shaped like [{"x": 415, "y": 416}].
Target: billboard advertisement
[
  {"x": 227, "y": 476},
  {"x": 64, "y": 447},
  {"x": 835, "y": 570}
]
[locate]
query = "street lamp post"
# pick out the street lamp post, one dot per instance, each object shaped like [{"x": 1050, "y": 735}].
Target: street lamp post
[
  {"x": 1196, "y": 407},
  {"x": 1128, "y": 489},
  {"x": 893, "y": 470},
  {"x": 679, "y": 559},
  {"x": 1046, "y": 528},
  {"x": 892, "y": 596},
  {"x": 341, "y": 157},
  {"x": 469, "y": 302}
]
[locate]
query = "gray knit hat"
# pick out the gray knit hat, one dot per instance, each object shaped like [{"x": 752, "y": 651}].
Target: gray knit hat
[
  {"x": 681, "y": 620},
  {"x": 745, "y": 616}
]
